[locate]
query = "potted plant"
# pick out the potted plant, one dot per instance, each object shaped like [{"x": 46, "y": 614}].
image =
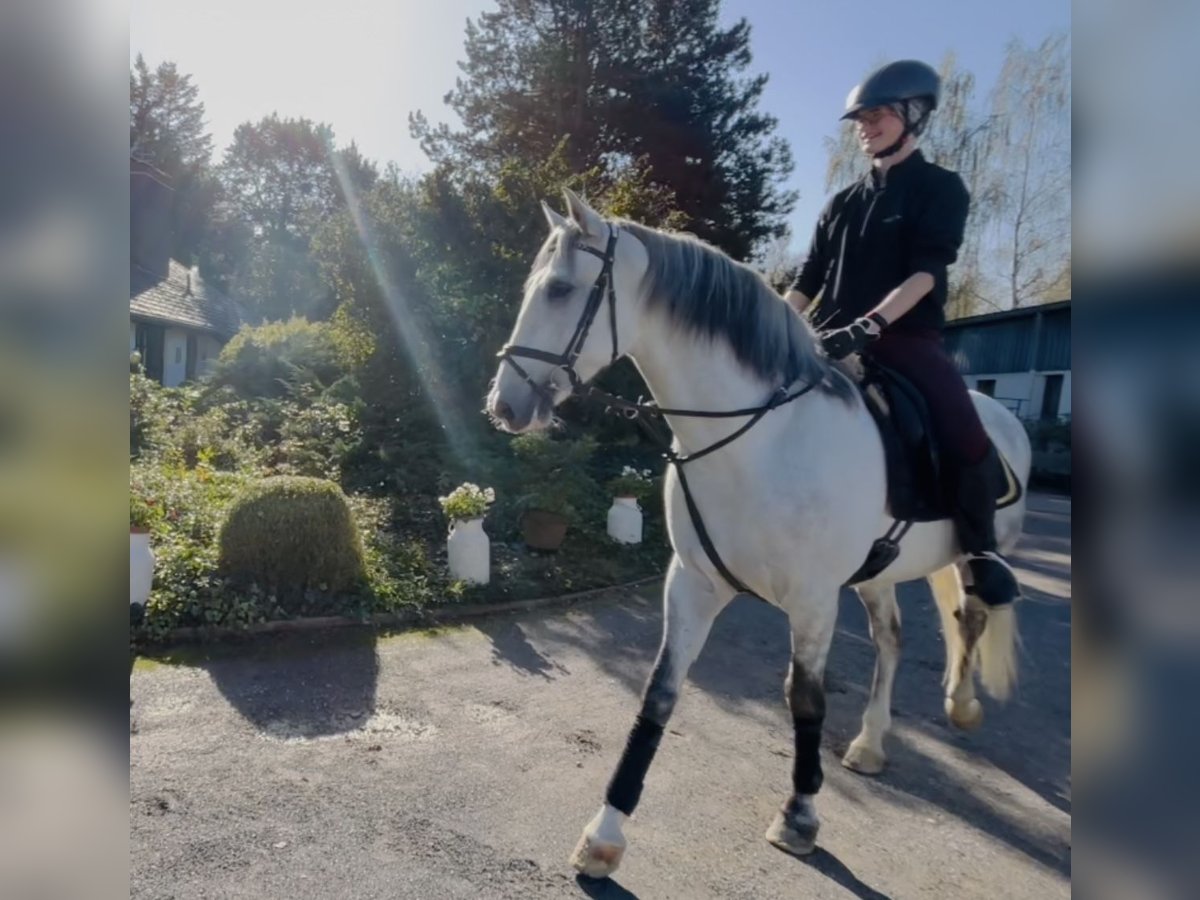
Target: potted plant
[
  {"x": 468, "y": 550},
  {"x": 546, "y": 514},
  {"x": 557, "y": 486},
  {"x": 625, "y": 515},
  {"x": 141, "y": 557}
]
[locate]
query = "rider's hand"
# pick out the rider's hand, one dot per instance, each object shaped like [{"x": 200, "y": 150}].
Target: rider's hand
[{"x": 841, "y": 342}]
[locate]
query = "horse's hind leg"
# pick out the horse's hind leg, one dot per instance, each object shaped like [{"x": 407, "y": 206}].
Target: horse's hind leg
[
  {"x": 795, "y": 826},
  {"x": 866, "y": 754},
  {"x": 690, "y": 607},
  {"x": 962, "y": 625}
]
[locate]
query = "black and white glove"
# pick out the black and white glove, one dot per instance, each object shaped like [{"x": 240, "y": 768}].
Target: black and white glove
[{"x": 841, "y": 342}]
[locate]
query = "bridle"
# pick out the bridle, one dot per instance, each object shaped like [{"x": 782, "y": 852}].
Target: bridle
[
  {"x": 643, "y": 412},
  {"x": 602, "y": 289}
]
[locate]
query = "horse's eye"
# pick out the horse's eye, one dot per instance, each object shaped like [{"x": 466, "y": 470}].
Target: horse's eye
[{"x": 559, "y": 290}]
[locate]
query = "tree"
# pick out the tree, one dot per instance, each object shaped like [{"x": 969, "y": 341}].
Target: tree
[
  {"x": 167, "y": 130},
  {"x": 642, "y": 84},
  {"x": 166, "y": 118},
  {"x": 1031, "y": 149},
  {"x": 283, "y": 179}
]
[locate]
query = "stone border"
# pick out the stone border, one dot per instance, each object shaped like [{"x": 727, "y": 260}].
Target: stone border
[{"x": 404, "y": 620}]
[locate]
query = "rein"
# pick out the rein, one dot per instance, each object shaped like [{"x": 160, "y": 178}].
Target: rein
[{"x": 644, "y": 413}]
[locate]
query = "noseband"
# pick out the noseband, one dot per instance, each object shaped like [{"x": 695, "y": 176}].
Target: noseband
[{"x": 602, "y": 290}]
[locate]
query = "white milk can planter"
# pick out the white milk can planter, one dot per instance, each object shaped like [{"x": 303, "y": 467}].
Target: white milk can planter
[
  {"x": 469, "y": 551},
  {"x": 625, "y": 521},
  {"x": 141, "y": 568}
]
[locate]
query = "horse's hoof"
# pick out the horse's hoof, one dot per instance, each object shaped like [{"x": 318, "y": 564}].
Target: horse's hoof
[
  {"x": 596, "y": 858},
  {"x": 864, "y": 760},
  {"x": 795, "y": 829},
  {"x": 967, "y": 716}
]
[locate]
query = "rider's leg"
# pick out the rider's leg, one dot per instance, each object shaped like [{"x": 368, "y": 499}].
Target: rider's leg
[{"x": 966, "y": 449}]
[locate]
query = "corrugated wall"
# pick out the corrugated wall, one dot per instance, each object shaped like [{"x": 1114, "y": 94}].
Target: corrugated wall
[{"x": 1005, "y": 345}]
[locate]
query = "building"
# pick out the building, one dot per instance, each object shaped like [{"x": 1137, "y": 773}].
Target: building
[
  {"x": 176, "y": 322},
  {"x": 1022, "y": 357}
]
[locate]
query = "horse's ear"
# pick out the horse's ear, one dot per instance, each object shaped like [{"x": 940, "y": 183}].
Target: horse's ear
[
  {"x": 553, "y": 218},
  {"x": 583, "y": 215}
]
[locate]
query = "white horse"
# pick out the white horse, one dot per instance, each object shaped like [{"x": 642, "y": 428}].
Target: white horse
[{"x": 792, "y": 506}]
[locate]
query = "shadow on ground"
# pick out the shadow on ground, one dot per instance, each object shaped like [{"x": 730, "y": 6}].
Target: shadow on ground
[
  {"x": 744, "y": 662},
  {"x": 290, "y": 686}
]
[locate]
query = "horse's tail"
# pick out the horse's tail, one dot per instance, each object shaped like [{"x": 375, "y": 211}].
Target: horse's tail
[
  {"x": 994, "y": 649},
  {"x": 998, "y": 651}
]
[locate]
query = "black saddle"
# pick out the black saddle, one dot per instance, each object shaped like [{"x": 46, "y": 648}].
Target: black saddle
[{"x": 919, "y": 490}]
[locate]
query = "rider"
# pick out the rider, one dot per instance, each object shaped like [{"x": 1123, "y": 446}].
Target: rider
[{"x": 880, "y": 252}]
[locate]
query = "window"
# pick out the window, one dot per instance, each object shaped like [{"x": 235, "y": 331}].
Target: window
[{"x": 986, "y": 386}]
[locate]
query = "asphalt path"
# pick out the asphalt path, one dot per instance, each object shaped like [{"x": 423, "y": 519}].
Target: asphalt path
[{"x": 464, "y": 762}]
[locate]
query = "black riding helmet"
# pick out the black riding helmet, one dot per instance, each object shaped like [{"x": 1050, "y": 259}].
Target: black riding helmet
[{"x": 910, "y": 86}]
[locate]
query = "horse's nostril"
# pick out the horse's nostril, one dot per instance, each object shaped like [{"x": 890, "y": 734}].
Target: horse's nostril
[{"x": 503, "y": 411}]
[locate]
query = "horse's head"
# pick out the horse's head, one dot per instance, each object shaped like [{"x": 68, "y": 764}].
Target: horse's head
[{"x": 580, "y": 313}]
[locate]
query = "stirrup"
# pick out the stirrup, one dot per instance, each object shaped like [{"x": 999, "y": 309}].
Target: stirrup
[{"x": 994, "y": 582}]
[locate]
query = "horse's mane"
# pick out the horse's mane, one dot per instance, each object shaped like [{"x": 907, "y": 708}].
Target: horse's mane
[{"x": 705, "y": 293}]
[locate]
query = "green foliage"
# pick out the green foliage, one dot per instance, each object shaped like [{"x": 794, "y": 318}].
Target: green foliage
[
  {"x": 283, "y": 179},
  {"x": 166, "y": 130},
  {"x": 553, "y": 473},
  {"x": 273, "y": 359},
  {"x": 188, "y": 507},
  {"x": 638, "y": 483},
  {"x": 662, "y": 83},
  {"x": 467, "y": 501},
  {"x": 1053, "y": 435},
  {"x": 293, "y": 536}
]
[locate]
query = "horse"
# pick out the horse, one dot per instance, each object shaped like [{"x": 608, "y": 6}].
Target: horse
[{"x": 782, "y": 498}]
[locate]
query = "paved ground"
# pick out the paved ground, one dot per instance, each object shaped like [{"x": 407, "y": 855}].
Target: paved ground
[{"x": 464, "y": 763}]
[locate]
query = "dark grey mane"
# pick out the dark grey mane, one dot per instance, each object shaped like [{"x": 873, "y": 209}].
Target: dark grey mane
[{"x": 708, "y": 294}]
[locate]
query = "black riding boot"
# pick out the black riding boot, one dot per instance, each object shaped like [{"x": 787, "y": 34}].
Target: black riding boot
[{"x": 992, "y": 579}]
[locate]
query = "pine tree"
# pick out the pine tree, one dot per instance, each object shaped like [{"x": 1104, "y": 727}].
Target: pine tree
[{"x": 646, "y": 84}]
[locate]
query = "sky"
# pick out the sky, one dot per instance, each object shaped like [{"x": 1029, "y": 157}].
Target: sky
[{"x": 363, "y": 65}]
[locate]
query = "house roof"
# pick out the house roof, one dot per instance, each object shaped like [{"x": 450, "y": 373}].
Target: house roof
[
  {"x": 183, "y": 299},
  {"x": 1022, "y": 312}
]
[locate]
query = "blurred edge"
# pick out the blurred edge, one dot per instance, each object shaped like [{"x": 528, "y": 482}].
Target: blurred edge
[{"x": 63, "y": 451}]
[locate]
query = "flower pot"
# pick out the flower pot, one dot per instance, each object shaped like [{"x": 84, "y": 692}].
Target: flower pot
[
  {"x": 543, "y": 530},
  {"x": 625, "y": 521},
  {"x": 469, "y": 551},
  {"x": 141, "y": 567}
]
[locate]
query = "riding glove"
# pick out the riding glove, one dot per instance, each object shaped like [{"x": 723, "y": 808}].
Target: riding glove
[{"x": 841, "y": 342}]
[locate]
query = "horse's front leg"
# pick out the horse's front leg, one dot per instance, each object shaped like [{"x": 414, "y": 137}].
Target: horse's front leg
[
  {"x": 796, "y": 825},
  {"x": 690, "y": 606},
  {"x": 865, "y": 754}
]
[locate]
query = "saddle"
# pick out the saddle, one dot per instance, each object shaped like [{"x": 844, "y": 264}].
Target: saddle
[{"x": 918, "y": 489}]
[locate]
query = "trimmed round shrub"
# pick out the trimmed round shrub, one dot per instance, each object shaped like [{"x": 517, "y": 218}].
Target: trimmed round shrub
[{"x": 296, "y": 538}]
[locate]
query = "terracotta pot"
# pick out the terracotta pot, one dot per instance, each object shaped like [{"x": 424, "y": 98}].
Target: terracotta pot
[{"x": 543, "y": 530}]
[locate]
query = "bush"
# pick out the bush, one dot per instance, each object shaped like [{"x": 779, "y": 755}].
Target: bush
[
  {"x": 295, "y": 537},
  {"x": 554, "y": 474},
  {"x": 274, "y": 359}
]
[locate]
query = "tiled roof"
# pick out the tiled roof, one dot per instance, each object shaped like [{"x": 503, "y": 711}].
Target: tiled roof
[{"x": 182, "y": 298}]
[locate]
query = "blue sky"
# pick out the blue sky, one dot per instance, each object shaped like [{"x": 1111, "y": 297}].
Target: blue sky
[{"x": 362, "y": 65}]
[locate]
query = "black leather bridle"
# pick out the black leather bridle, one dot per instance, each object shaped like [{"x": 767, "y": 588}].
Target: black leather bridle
[
  {"x": 647, "y": 414},
  {"x": 601, "y": 290}
]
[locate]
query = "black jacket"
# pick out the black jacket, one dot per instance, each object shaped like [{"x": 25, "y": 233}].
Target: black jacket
[{"x": 879, "y": 231}]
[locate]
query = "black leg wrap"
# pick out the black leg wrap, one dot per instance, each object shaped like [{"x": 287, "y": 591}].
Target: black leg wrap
[
  {"x": 625, "y": 788},
  {"x": 806, "y": 766}
]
